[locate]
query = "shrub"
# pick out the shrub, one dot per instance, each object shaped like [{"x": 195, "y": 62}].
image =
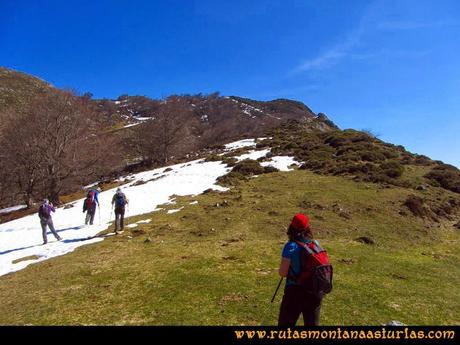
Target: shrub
[
  {"x": 372, "y": 156},
  {"x": 230, "y": 179},
  {"x": 270, "y": 169},
  {"x": 213, "y": 158},
  {"x": 392, "y": 169},
  {"x": 248, "y": 167},
  {"x": 447, "y": 176},
  {"x": 230, "y": 161},
  {"x": 416, "y": 205},
  {"x": 422, "y": 160}
]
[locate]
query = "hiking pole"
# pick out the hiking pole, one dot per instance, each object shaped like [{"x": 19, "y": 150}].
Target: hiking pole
[
  {"x": 279, "y": 284},
  {"x": 99, "y": 208}
]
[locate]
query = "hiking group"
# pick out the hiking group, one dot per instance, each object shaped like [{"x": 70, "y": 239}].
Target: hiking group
[
  {"x": 90, "y": 205},
  {"x": 305, "y": 265}
]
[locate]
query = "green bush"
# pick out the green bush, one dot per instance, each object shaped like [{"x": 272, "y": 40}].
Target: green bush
[
  {"x": 392, "y": 169},
  {"x": 213, "y": 158},
  {"x": 230, "y": 161},
  {"x": 372, "y": 156},
  {"x": 230, "y": 179},
  {"x": 269, "y": 169},
  {"x": 248, "y": 167},
  {"x": 447, "y": 176}
]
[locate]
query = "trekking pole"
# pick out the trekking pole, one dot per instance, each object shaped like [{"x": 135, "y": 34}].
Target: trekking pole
[
  {"x": 99, "y": 207},
  {"x": 279, "y": 284}
]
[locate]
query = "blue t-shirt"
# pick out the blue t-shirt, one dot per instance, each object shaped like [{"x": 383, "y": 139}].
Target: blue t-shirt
[{"x": 292, "y": 252}]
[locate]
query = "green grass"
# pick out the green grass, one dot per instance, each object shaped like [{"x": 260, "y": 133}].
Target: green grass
[{"x": 217, "y": 265}]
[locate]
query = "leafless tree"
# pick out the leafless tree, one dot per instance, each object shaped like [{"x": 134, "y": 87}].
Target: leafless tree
[
  {"x": 167, "y": 134},
  {"x": 50, "y": 143}
]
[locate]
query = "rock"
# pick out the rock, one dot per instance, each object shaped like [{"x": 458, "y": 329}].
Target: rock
[
  {"x": 68, "y": 206},
  {"x": 347, "y": 261},
  {"x": 209, "y": 190},
  {"x": 398, "y": 276},
  {"x": 147, "y": 240},
  {"x": 345, "y": 215},
  {"x": 365, "y": 240},
  {"x": 457, "y": 225},
  {"x": 138, "y": 183},
  {"x": 422, "y": 187},
  {"x": 137, "y": 232},
  {"x": 167, "y": 169},
  {"x": 395, "y": 323}
]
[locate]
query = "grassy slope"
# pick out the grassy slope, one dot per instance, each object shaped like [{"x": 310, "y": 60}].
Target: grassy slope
[{"x": 208, "y": 265}]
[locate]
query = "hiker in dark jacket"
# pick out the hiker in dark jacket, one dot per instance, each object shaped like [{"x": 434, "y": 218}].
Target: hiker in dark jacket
[
  {"x": 120, "y": 201},
  {"x": 89, "y": 205},
  {"x": 296, "y": 300},
  {"x": 44, "y": 212}
]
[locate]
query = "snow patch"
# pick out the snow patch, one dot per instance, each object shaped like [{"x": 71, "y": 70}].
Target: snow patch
[
  {"x": 239, "y": 144},
  {"x": 145, "y": 221},
  {"x": 253, "y": 155},
  {"x": 12, "y": 209},
  {"x": 174, "y": 211},
  {"x": 282, "y": 163}
]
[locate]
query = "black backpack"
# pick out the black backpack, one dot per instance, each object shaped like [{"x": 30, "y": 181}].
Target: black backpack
[{"x": 43, "y": 212}]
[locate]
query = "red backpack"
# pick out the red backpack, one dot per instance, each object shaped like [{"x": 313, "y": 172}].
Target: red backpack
[
  {"x": 90, "y": 199},
  {"x": 316, "y": 270}
]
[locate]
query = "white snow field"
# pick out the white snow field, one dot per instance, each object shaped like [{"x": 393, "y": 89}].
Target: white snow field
[{"x": 22, "y": 238}]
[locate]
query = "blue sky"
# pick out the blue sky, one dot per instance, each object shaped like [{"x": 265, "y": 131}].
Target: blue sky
[{"x": 391, "y": 67}]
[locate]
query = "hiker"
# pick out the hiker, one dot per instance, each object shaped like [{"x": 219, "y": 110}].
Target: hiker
[
  {"x": 44, "y": 212},
  {"x": 89, "y": 205},
  {"x": 298, "y": 298},
  {"x": 120, "y": 201}
]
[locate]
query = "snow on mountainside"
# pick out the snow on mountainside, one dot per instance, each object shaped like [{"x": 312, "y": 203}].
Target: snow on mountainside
[{"x": 22, "y": 238}]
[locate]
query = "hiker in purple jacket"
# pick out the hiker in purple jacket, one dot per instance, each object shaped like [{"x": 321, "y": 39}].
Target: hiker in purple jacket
[{"x": 44, "y": 212}]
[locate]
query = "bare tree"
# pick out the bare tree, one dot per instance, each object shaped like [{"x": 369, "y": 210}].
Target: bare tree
[
  {"x": 50, "y": 143},
  {"x": 167, "y": 133}
]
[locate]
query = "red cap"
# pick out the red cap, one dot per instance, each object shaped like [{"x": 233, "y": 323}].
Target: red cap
[{"x": 300, "y": 221}]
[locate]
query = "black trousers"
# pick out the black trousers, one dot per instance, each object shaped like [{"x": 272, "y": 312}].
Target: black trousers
[
  {"x": 297, "y": 301},
  {"x": 90, "y": 212},
  {"x": 119, "y": 218}
]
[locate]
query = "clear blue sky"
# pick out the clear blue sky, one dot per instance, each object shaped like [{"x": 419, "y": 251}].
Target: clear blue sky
[{"x": 389, "y": 66}]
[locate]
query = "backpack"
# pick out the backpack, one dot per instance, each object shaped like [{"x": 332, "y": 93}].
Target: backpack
[
  {"x": 43, "y": 212},
  {"x": 90, "y": 199},
  {"x": 316, "y": 271},
  {"x": 120, "y": 200}
]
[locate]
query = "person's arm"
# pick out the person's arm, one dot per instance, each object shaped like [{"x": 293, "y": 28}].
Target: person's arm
[
  {"x": 52, "y": 209},
  {"x": 284, "y": 267}
]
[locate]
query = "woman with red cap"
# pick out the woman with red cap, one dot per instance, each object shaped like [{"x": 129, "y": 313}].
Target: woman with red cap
[{"x": 296, "y": 300}]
